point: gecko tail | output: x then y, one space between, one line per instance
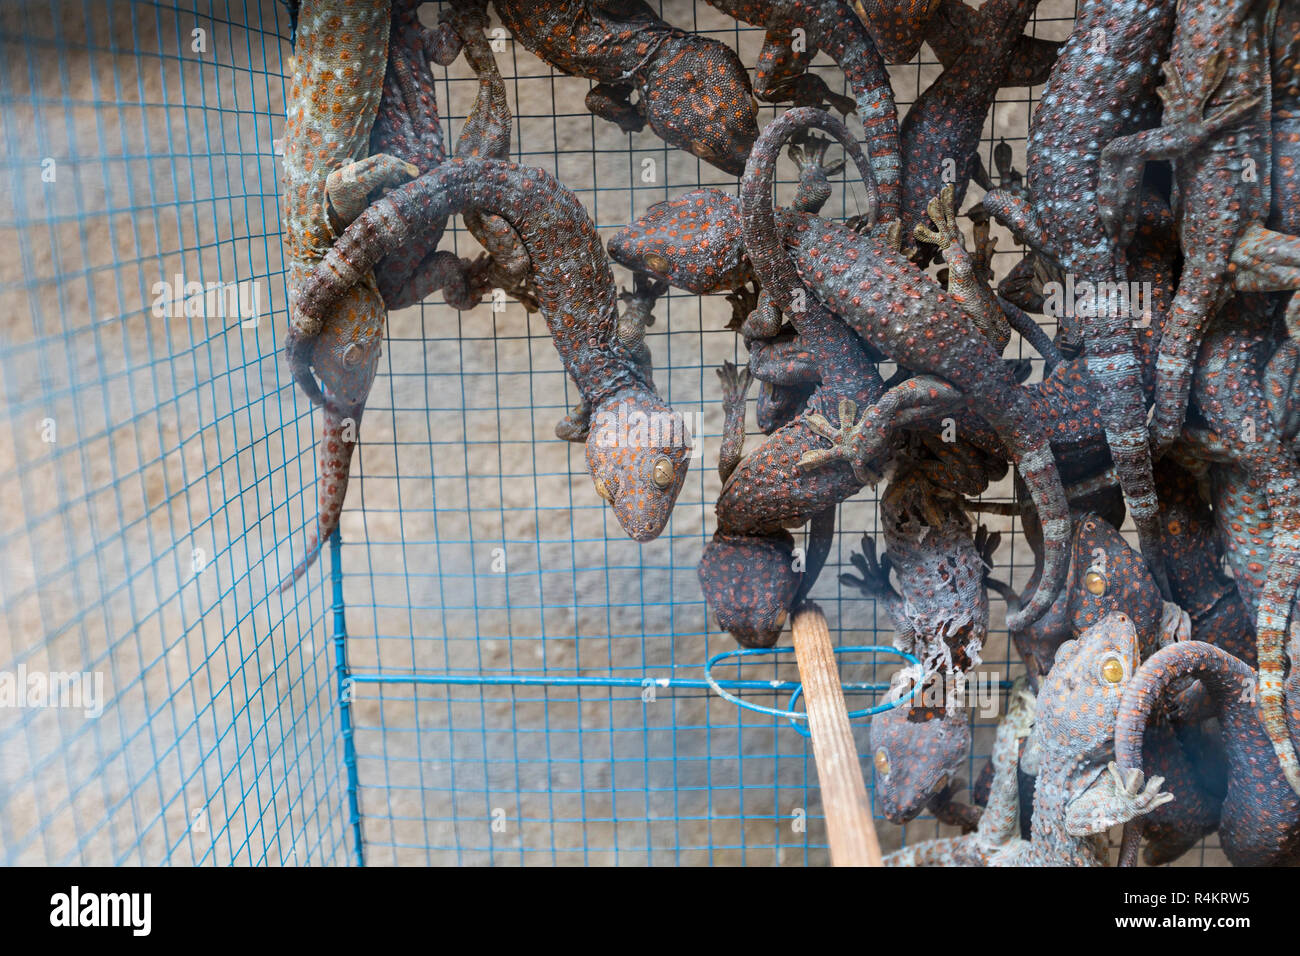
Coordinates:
337 442
1038 469
1271 654
313 552
1226 678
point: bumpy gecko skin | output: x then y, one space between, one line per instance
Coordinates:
832 27
917 752
637 449
999 824
637 315
896 26
1230 395
781 73
1241 515
407 126
1218 614
1216 131
1078 796
941 131
1105 576
1268 259
1102 87
334 97
1260 822
941 613
765 493
749 584
694 92
966 286
486 135
955 27
901 312
693 241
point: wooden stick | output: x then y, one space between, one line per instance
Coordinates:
849 828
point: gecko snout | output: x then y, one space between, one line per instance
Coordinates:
638 453
749 583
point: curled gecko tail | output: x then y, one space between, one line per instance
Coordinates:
772 264
335 448
1038 469
1226 678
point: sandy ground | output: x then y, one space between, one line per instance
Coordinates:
156 482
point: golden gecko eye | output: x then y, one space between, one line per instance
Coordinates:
1095 582
882 762
1112 670
603 490
663 472
657 263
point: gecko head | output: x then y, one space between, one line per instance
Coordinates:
1078 701
693 241
916 750
749 583
344 363
779 404
698 97
638 451
1106 574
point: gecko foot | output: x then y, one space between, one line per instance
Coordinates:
744 300
874 582
348 188
735 384
1135 798
575 425
613 102
847 441
942 212
809 149
808 89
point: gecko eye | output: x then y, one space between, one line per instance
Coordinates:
882 762
1113 670
1095 582
602 489
657 263
663 472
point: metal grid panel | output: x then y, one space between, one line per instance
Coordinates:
522 683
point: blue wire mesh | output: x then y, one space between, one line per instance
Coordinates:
486 670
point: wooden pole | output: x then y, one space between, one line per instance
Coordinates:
849 827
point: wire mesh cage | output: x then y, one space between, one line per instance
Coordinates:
482 668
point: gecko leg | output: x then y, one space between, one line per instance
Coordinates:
1269 261
347 188
735 385
612 101
859 441
1116 798
964 283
